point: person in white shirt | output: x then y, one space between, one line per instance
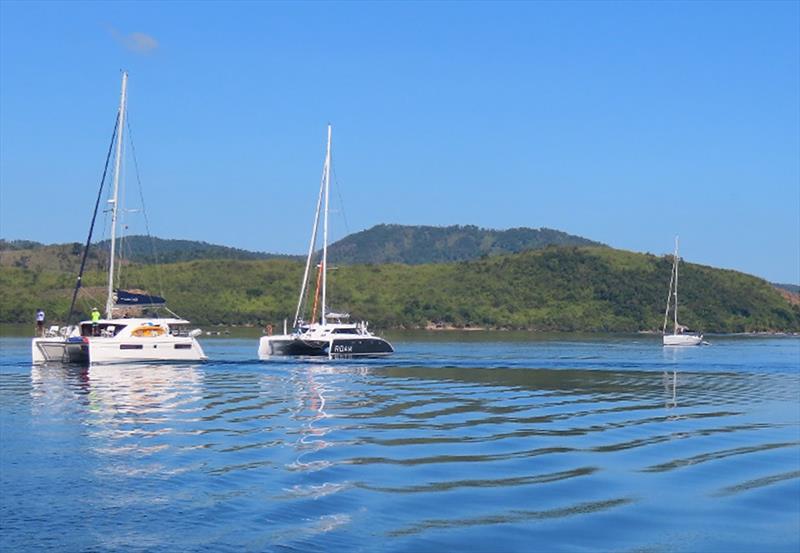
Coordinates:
40 322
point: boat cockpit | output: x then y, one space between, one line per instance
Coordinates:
101 329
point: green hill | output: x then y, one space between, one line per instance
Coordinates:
132 249
55 257
144 249
416 245
413 245
19 244
555 288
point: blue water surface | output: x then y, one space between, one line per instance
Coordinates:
460 442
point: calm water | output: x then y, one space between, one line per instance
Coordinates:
455 444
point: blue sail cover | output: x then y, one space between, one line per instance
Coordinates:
129 299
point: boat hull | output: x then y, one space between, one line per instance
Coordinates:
59 350
339 347
145 350
286 345
98 350
366 346
683 340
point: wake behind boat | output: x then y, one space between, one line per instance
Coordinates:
681 336
329 335
120 339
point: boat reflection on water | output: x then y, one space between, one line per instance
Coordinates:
310 403
673 356
141 389
55 386
314 450
117 401
671 389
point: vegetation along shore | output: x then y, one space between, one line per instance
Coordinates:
551 288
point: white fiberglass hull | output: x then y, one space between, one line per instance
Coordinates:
132 349
683 339
122 341
58 350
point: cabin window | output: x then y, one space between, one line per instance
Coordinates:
130 346
101 329
183 346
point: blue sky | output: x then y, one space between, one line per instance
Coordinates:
624 122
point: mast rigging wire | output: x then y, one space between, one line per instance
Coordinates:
341 202
78 281
153 249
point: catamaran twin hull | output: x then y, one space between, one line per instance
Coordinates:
99 350
296 346
59 350
122 341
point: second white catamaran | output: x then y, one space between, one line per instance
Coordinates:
329 335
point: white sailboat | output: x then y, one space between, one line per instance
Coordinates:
115 340
680 335
329 335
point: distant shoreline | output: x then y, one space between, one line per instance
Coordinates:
19 330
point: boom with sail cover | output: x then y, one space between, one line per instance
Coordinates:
123 298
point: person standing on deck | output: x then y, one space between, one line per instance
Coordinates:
40 322
95 320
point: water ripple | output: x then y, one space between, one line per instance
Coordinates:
515 516
571 445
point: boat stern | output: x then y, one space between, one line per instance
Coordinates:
59 350
37 352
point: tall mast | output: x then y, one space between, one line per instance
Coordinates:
669 296
675 331
325 227
115 197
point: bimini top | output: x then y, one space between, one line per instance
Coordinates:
123 298
332 315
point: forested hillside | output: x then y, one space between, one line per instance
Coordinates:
556 288
133 249
412 245
144 249
416 245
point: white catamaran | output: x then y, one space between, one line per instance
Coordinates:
680 335
115 340
329 335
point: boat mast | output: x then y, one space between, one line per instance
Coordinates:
675 329
669 293
325 228
113 201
